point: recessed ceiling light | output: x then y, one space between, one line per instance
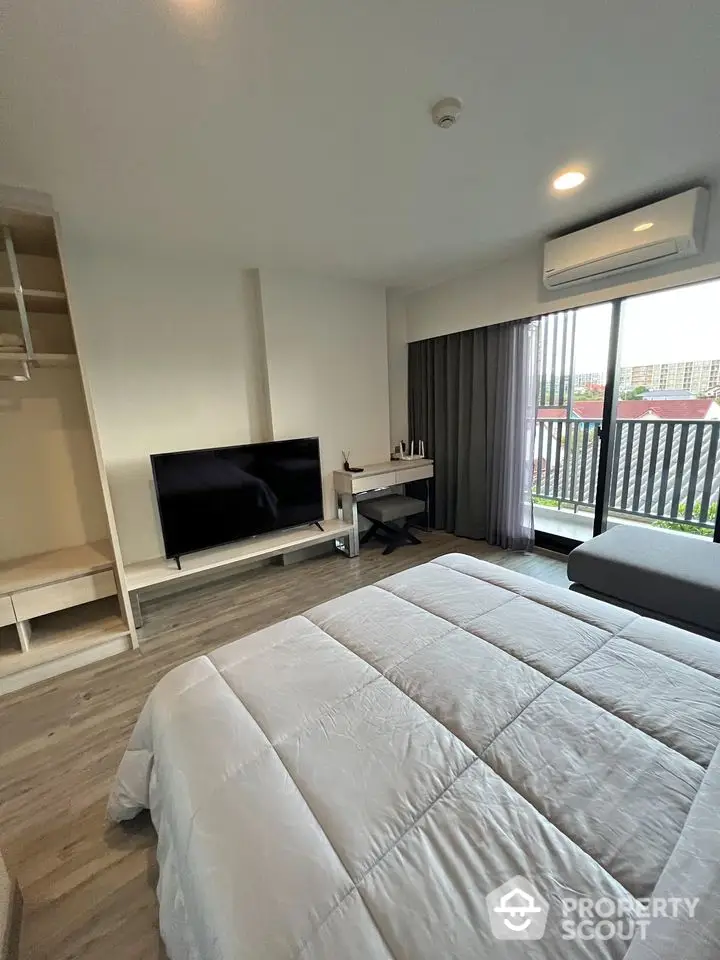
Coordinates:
643 226
569 180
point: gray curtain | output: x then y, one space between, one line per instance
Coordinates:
472 398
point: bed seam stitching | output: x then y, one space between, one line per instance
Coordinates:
477 756
366 873
543 603
322 829
553 681
559 679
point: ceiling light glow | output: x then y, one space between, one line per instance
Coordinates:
569 180
643 226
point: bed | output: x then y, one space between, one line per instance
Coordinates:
355 782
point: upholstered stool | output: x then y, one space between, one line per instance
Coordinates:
390 519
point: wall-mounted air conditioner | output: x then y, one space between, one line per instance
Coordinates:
663 231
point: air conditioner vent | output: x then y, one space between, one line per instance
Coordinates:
676 230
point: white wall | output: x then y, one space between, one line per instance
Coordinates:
173 357
327 365
184 354
512 288
397 365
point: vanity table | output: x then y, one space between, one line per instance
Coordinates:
376 476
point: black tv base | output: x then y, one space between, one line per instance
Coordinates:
177 561
316 523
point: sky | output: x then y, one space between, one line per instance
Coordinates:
665 327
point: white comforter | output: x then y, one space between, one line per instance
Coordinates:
352 783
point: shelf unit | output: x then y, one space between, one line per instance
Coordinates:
57 605
54 566
62 641
150 573
33 301
40 359
38 301
63 595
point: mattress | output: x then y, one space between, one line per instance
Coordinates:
458 761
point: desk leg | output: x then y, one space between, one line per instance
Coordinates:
427 504
350 515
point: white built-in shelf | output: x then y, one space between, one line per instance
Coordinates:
64 608
33 233
56 566
36 301
151 572
41 359
66 633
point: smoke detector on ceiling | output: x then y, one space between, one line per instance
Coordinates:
446 111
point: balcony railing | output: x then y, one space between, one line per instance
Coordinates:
663 470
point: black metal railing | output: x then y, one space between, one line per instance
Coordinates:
663 470
556 352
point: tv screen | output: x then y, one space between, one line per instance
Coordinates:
211 497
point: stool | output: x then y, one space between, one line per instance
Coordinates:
384 513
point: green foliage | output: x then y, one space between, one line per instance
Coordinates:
688 527
665 524
634 394
593 391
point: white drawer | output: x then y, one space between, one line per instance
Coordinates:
7 614
414 473
58 596
372 481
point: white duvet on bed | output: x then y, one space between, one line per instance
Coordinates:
352 783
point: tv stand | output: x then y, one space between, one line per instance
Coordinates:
316 523
150 573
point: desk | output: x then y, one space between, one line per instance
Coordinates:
375 476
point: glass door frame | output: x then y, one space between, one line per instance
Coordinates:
608 433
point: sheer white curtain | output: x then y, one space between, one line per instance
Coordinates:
512 349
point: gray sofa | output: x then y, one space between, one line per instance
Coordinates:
657 573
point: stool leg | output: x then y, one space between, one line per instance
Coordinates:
369 533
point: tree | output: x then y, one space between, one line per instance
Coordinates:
591 391
634 394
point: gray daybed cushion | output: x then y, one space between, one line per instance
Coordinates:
667 573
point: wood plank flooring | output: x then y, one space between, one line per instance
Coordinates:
89 887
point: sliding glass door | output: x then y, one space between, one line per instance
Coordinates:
665 467
571 393
628 427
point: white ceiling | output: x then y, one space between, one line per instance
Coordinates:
297 132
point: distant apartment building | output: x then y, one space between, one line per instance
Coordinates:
584 380
699 377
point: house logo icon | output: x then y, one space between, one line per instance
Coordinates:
517 911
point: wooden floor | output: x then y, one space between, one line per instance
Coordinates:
89 887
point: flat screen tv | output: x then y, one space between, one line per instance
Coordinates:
212 497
